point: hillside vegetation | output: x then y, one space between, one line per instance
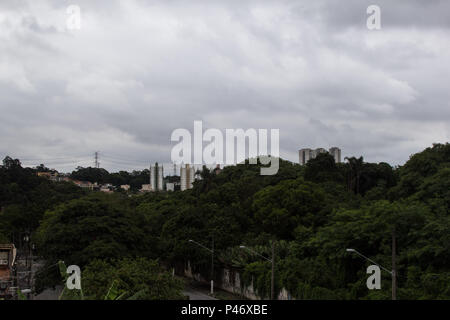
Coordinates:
313 212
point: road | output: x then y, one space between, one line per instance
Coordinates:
196 295
24 276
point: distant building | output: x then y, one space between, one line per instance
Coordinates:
307 154
217 169
51 175
107 188
317 151
336 153
125 187
170 186
54 176
7 275
157 177
85 184
187 177
172 182
60 178
198 175
44 174
146 188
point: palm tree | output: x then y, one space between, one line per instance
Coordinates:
356 168
206 179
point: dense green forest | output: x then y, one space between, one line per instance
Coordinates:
312 212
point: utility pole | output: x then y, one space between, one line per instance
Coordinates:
394 270
272 261
391 272
31 273
212 266
272 294
30 267
212 260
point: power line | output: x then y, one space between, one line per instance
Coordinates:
55 163
123 159
122 163
24 158
112 160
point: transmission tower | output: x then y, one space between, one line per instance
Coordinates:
97 164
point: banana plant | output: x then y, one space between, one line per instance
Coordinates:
114 292
20 295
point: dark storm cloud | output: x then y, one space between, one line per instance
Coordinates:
137 70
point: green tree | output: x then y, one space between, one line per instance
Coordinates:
322 168
355 172
139 278
280 208
97 226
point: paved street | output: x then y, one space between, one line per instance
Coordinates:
49 294
197 295
23 267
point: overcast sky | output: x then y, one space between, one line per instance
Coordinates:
137 70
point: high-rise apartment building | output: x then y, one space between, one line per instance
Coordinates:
304 155
336 153
317 151
157 177
186 177
307 154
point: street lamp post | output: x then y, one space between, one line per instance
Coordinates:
212 260
392 272
272 284
394 267
212 266
272 261
28 262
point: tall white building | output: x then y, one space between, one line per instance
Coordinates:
316 152
186 177
156 177
304 155
307 154
336 153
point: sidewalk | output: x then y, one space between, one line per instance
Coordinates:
201 291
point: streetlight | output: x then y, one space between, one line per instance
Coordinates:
272 289
212 260
28 260
392 273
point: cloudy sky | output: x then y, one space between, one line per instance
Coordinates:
137 70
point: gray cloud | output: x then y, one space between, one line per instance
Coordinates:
137 70
400 13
